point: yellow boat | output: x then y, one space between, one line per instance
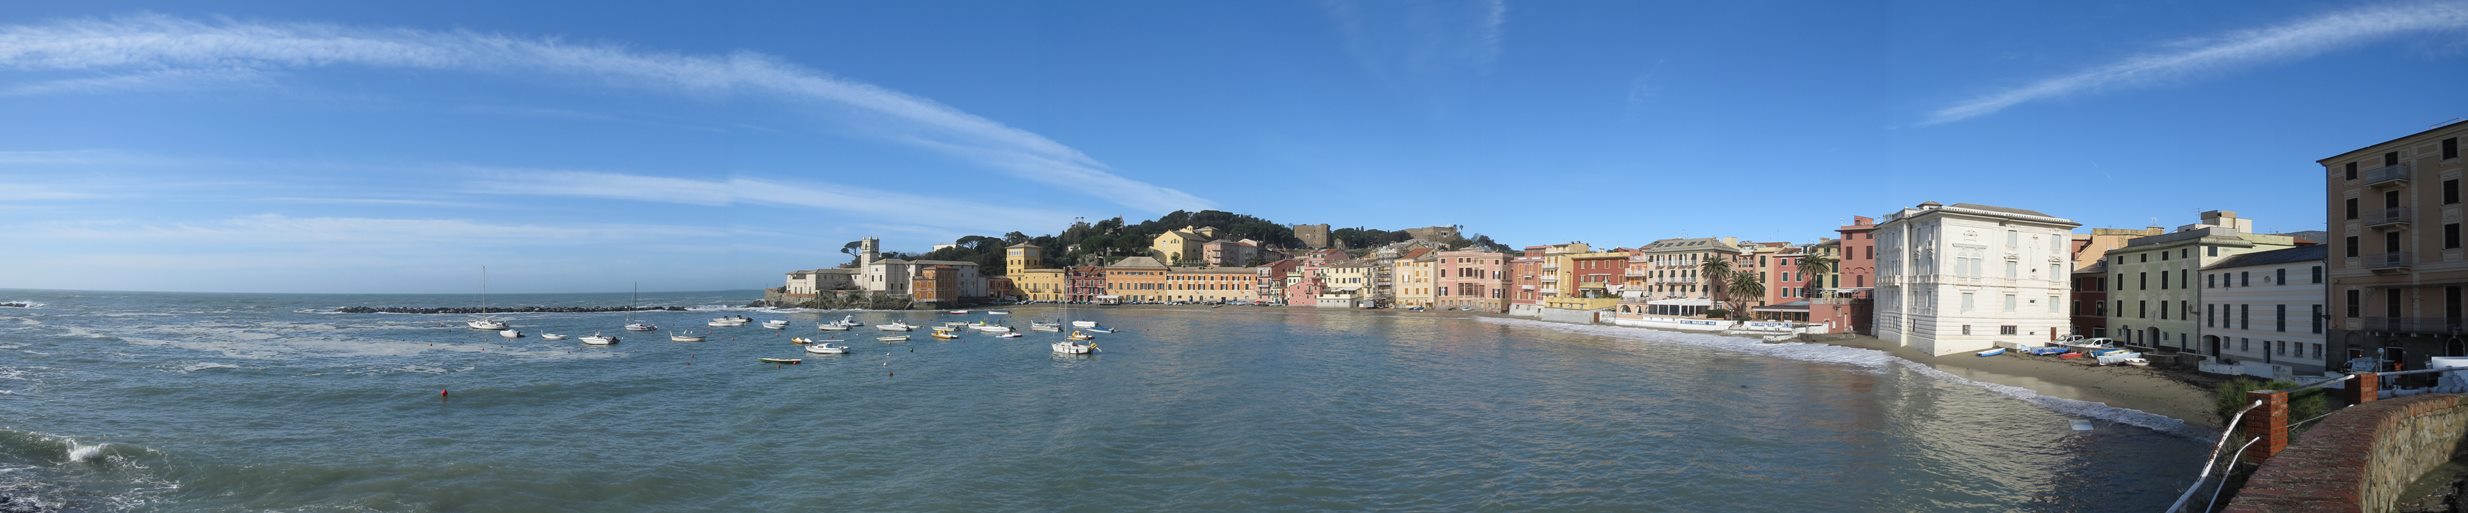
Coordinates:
1082 336
945 334
800 341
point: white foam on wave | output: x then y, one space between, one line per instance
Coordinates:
201 366
81 453
1872 360
28 304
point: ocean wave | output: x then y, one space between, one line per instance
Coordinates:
198 366
1873 360
20 303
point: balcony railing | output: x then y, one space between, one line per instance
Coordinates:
2392 261
2387 175
2395 216
1634 273
1551 267
2436 325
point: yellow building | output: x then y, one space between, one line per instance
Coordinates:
1211 284
1182 247
1024 263
1134 280
1558 273
1414 284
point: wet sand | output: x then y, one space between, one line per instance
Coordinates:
2171 393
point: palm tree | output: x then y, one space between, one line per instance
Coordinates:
1815 266
1716 270
1746 285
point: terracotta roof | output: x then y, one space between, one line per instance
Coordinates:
1138 261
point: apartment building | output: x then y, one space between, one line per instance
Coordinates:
1962 277
2396 265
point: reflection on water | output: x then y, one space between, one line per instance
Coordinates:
235 403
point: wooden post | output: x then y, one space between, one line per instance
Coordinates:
2268 423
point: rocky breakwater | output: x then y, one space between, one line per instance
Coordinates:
503 309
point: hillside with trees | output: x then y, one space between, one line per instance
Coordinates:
1111 239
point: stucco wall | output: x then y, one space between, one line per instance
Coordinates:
2360 458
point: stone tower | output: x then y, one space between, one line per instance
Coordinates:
869 249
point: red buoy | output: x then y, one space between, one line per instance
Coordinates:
441 393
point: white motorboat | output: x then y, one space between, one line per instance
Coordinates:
993 328
831 327
484 322
1074 347
776 324
685 337
1083 324
1101 330
599 340
893 338
895 326
728 322
1081 336
1010 335
1045 326
847 321
510 334
641 326
998 312
957 312
552 336
827 348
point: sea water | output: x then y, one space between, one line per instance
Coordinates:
262 402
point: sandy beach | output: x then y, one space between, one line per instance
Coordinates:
2171 393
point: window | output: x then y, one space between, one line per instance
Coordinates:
2352 170
2282 323
2352 246
2052 304
1966 329
2245 344
2390 158
2163 275
2009 304
2120 307
2013 238
2210 281
2010 269
2143 258
2354 300
2142 309
1966 302
2317 319
2352 208
2245 317
2006 330
2209 313
2163 309
2450 148
2120 279
2163 256
2245 279
2450 236
2450 191
2278 277
2143 281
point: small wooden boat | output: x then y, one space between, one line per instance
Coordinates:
781 361
893 338
1992 352
552 336
800 341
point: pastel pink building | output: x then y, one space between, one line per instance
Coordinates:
1471 279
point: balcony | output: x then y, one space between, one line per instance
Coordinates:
2395 176
1550 278
2389 217
2424 325
1634 273
1551 267
2392 262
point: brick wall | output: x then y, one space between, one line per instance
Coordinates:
2360 458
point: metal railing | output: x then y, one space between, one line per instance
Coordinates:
2387 174
2390 216
2416 325
2391 260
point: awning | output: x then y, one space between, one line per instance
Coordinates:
1794 306
1681 302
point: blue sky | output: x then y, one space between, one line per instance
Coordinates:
347 147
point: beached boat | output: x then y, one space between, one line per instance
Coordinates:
510 334
1074 347
893 338
781 361
896 326
2119 358
945 334
775 324
599 340
2046 350
552 336
827 348
2090 344
685 337
1992 352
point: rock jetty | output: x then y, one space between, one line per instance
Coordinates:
503 309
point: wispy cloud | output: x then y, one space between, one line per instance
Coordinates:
131 48
1400 40
2193 58
38 192
876 204
275 229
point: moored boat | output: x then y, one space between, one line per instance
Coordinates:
685 337
944 334
552 336
781 361
1009 335
599 340
893 338
776 324
831 327
896 326
1074 347
827 348
800 341
1083 324
1082 336
510 333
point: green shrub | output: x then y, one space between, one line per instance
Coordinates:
2231 396
1718 313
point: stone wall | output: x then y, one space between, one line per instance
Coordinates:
2360 458
1568 316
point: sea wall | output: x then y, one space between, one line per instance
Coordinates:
2360 458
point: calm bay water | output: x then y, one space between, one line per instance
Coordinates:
225 402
